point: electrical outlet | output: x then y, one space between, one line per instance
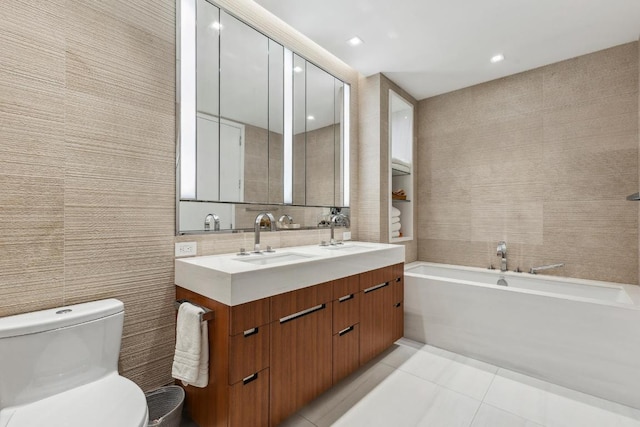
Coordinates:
186 249
346 235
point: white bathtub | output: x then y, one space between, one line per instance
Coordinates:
581 334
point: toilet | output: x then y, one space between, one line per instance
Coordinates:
59 368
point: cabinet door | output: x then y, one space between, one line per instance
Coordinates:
376 323
346 352
300 363
249 401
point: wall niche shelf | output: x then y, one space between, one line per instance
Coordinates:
400 168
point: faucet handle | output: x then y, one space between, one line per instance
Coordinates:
502 249
243 251
269 249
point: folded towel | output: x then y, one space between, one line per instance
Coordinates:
395 211
395 234
191 358
395 219
395 226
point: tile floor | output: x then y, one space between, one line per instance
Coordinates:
413 384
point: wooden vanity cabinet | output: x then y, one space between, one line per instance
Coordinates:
270 357
381 305
238 390
301 349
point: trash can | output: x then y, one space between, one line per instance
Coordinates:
165 406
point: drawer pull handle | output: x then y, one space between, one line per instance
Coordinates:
302 313
376 287
345 298
250 332
398 279
346 330
250 378
397 304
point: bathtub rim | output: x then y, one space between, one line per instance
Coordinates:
633 291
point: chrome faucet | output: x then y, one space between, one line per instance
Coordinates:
502 253
286 217
256 229
216 222
534 270
337 218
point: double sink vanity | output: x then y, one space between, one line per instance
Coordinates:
289 324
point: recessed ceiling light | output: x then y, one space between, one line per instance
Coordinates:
355 41
216 25
297 69
310 118
497 58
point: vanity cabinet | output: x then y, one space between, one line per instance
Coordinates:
380 290
301 352
270 357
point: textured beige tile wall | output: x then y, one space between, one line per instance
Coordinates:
263 159
543 160
87 105
87 164
374 161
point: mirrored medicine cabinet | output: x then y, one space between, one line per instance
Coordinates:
259 127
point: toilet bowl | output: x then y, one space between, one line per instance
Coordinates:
59 368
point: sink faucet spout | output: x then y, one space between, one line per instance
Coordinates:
256 228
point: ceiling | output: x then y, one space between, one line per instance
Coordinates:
429 47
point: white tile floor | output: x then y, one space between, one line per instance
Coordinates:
416 385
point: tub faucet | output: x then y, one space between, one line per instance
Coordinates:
256 229
337 218
216 222
502 253
534 270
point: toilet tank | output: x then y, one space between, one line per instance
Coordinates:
50 351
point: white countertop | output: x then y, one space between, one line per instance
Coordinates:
232 279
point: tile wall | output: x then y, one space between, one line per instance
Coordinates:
543 160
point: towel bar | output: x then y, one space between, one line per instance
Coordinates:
204 317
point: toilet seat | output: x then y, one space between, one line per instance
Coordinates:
108 402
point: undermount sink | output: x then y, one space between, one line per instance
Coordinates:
344 247
267 259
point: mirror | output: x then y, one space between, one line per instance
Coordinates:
235 128
317 154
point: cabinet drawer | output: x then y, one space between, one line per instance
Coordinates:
346 286
248 353
377 277
346 311
249 401
286 304
398 272
346 352
248 315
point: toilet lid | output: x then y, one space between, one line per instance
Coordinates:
108 402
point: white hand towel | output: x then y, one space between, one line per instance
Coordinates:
395 219
191 358
395 234
395 211
395 226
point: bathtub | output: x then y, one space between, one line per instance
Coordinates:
581 334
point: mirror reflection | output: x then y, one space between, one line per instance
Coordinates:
234 132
